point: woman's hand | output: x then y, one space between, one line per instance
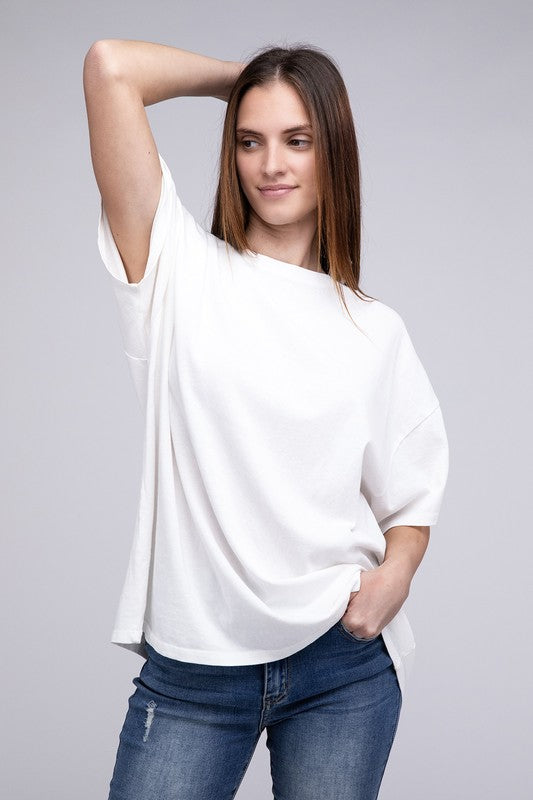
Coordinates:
385 589
383 592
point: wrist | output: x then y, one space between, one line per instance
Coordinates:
399 572
230 71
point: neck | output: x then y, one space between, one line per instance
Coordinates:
294 243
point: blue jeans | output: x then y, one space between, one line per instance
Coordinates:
330 710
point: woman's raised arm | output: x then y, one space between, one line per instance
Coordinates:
120 78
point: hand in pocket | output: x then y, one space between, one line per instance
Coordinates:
382 593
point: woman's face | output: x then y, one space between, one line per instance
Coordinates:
268 154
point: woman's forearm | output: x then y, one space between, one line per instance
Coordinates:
405 548
385 589
159 72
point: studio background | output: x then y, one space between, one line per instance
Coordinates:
441 96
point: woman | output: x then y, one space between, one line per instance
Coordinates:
294 455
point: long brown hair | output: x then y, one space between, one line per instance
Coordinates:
319 84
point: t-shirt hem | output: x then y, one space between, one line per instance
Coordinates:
231 657
135 641
407 520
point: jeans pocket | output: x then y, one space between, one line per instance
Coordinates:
353 636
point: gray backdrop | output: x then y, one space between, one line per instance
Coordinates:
441 95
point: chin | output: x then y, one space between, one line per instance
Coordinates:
282 218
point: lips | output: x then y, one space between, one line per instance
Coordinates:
276 191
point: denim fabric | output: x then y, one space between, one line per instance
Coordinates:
330 711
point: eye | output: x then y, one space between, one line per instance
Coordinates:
303 141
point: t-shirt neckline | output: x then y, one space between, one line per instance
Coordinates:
286 269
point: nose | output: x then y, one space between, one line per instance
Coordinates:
274 160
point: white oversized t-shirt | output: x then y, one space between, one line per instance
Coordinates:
280 443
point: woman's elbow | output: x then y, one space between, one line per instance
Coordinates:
101 60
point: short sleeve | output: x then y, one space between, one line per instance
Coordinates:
175 238
406 460
417 473
135 300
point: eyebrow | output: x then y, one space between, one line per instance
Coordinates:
293 129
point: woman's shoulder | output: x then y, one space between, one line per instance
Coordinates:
381 321
386 315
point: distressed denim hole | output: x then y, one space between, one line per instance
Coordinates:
150 710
